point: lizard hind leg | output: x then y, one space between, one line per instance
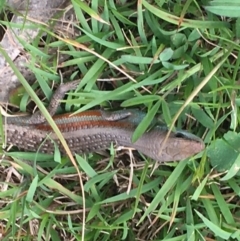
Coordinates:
38 118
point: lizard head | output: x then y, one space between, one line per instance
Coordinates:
181 145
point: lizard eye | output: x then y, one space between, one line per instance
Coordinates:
180 135
187 135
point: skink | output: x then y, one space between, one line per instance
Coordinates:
94 130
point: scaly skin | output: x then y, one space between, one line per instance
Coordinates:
94 130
